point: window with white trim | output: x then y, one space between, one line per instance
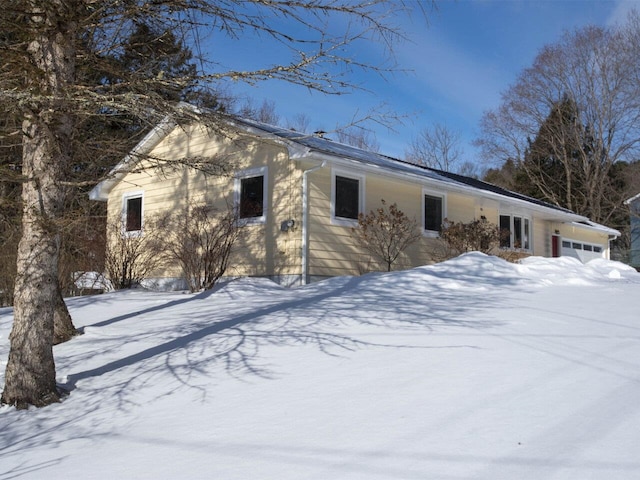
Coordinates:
515 232
433 212
347 194
132 213
250 192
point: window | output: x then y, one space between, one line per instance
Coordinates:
515 232
582 251
433 207
505 231
346 198
251 195
347 201
132 213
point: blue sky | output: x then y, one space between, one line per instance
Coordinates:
453 68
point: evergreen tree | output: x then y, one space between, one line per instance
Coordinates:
551 159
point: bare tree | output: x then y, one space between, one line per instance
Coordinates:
436 147
46 47
301 122
358 137
385 233
577 110
265 113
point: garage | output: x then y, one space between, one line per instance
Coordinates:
580 250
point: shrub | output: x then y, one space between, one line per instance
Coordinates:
130 258
201 242
477 235
385 233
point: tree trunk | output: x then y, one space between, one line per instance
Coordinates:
30 377
63 329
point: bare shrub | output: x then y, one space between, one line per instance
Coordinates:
475 236
201 242
385 233
131 256
513 256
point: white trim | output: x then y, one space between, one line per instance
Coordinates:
629 201
237 190
123 214
341 221
432 193
593 226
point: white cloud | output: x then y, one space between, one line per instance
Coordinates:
619 14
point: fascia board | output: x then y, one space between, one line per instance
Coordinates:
632 199
592 226
448 185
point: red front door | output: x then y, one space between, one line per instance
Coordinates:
555 246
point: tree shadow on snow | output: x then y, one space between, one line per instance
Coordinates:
236 341
214 342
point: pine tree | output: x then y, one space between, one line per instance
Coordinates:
551 159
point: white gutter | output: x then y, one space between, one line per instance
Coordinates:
451 185
305 221
596 227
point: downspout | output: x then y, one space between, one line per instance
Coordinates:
610 238
305 221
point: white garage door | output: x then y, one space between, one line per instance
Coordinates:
582 251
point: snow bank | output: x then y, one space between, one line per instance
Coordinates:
474 368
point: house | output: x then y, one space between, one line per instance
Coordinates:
305 194
634 211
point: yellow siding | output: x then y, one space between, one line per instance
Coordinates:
541 238
332 250
263 249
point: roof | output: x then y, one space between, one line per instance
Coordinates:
632 199
302 145
329 147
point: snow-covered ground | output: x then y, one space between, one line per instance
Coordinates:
470 369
